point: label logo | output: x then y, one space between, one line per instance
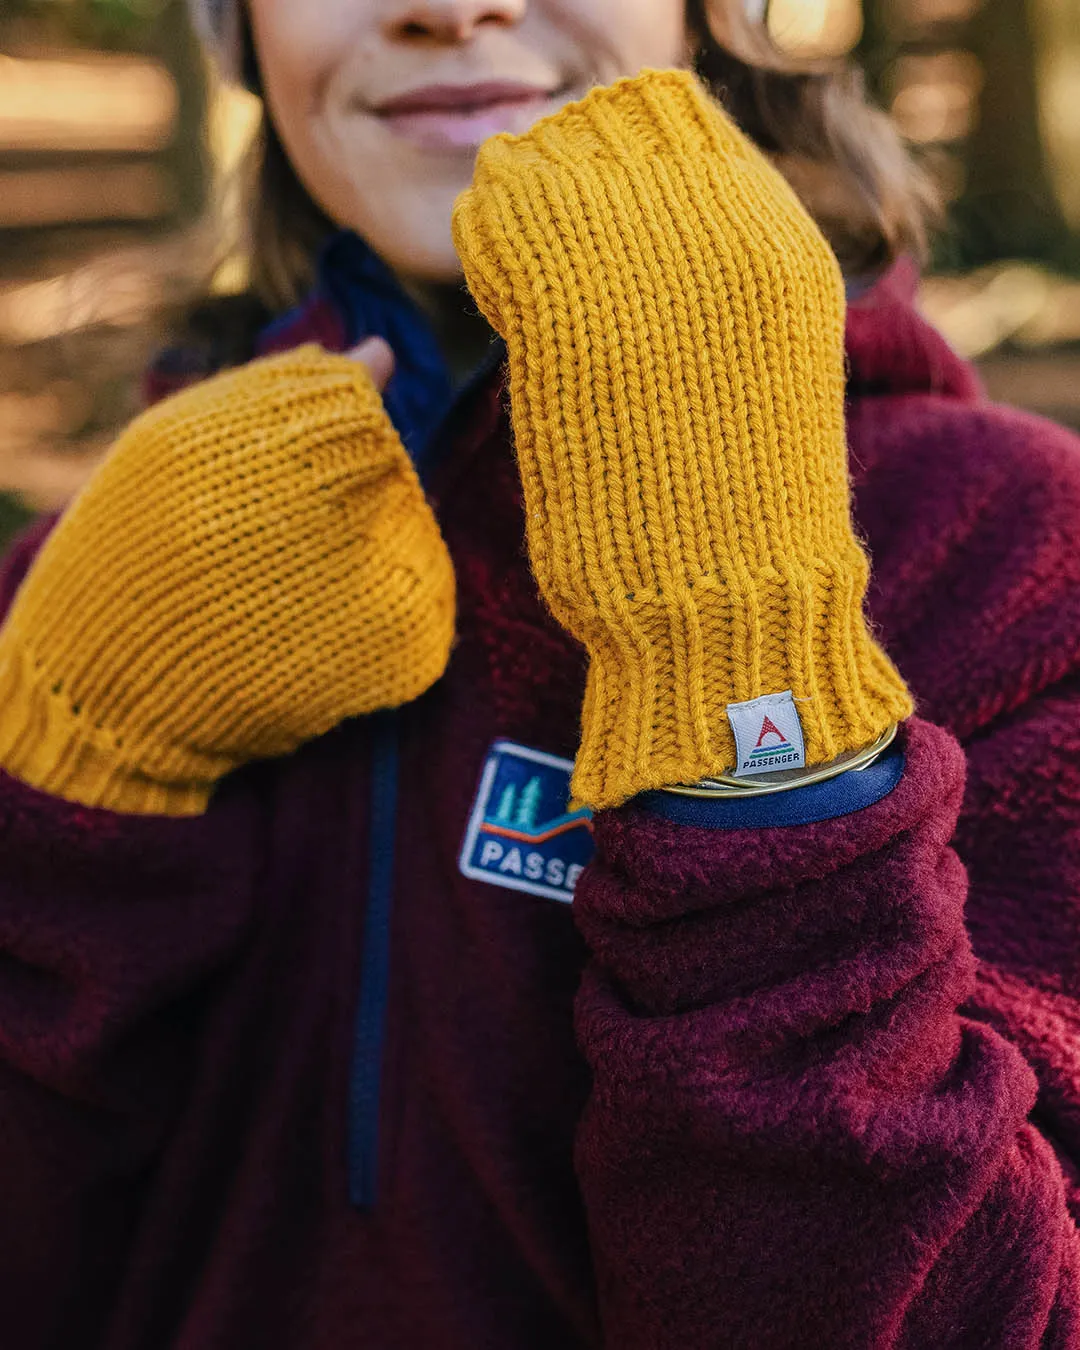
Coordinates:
771 741
768 735
520 834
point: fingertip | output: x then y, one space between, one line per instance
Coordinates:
377 354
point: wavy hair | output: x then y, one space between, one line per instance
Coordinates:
842 154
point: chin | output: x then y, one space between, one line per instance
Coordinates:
414 237
421 259
439 271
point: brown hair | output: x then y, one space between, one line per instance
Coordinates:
842 155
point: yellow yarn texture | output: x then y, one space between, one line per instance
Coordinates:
674 321
253 562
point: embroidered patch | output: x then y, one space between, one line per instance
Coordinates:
520 834
768 735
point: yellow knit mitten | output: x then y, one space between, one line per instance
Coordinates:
254 562
675 322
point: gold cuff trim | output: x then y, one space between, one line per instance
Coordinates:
785 780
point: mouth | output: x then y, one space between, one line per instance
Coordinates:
459 117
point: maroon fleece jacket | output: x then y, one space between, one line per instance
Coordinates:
811 1085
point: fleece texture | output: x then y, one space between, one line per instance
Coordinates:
815 1085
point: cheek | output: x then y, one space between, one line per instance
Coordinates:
299 47
657 28
303 50
396 199
619 37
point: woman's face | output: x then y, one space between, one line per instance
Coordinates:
381 104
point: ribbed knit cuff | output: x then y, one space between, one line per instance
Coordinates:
661 677
50 745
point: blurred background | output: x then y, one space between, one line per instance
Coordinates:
114 142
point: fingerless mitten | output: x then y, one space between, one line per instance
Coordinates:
253 562
674 322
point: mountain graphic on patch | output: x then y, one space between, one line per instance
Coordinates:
777 742
515 815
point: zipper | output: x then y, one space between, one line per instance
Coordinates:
369 1030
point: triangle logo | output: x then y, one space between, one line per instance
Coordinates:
769 728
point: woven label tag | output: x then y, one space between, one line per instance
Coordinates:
768 735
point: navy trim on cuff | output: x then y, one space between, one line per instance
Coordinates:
839 796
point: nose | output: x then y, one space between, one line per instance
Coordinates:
447 21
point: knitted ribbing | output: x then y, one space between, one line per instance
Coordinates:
674 323
253 562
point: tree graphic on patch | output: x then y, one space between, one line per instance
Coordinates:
529 804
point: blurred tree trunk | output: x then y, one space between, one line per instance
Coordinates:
1056 25
1009 206
877 47
188 160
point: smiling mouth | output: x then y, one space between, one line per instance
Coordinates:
461 117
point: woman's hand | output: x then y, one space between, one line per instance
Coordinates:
674 321
254 562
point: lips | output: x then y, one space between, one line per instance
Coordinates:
459 117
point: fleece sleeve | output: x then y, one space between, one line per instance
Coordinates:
795 1137
110 929
1019 837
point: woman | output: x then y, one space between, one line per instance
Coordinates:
302 1045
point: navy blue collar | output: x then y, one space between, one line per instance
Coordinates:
372 303
366 299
